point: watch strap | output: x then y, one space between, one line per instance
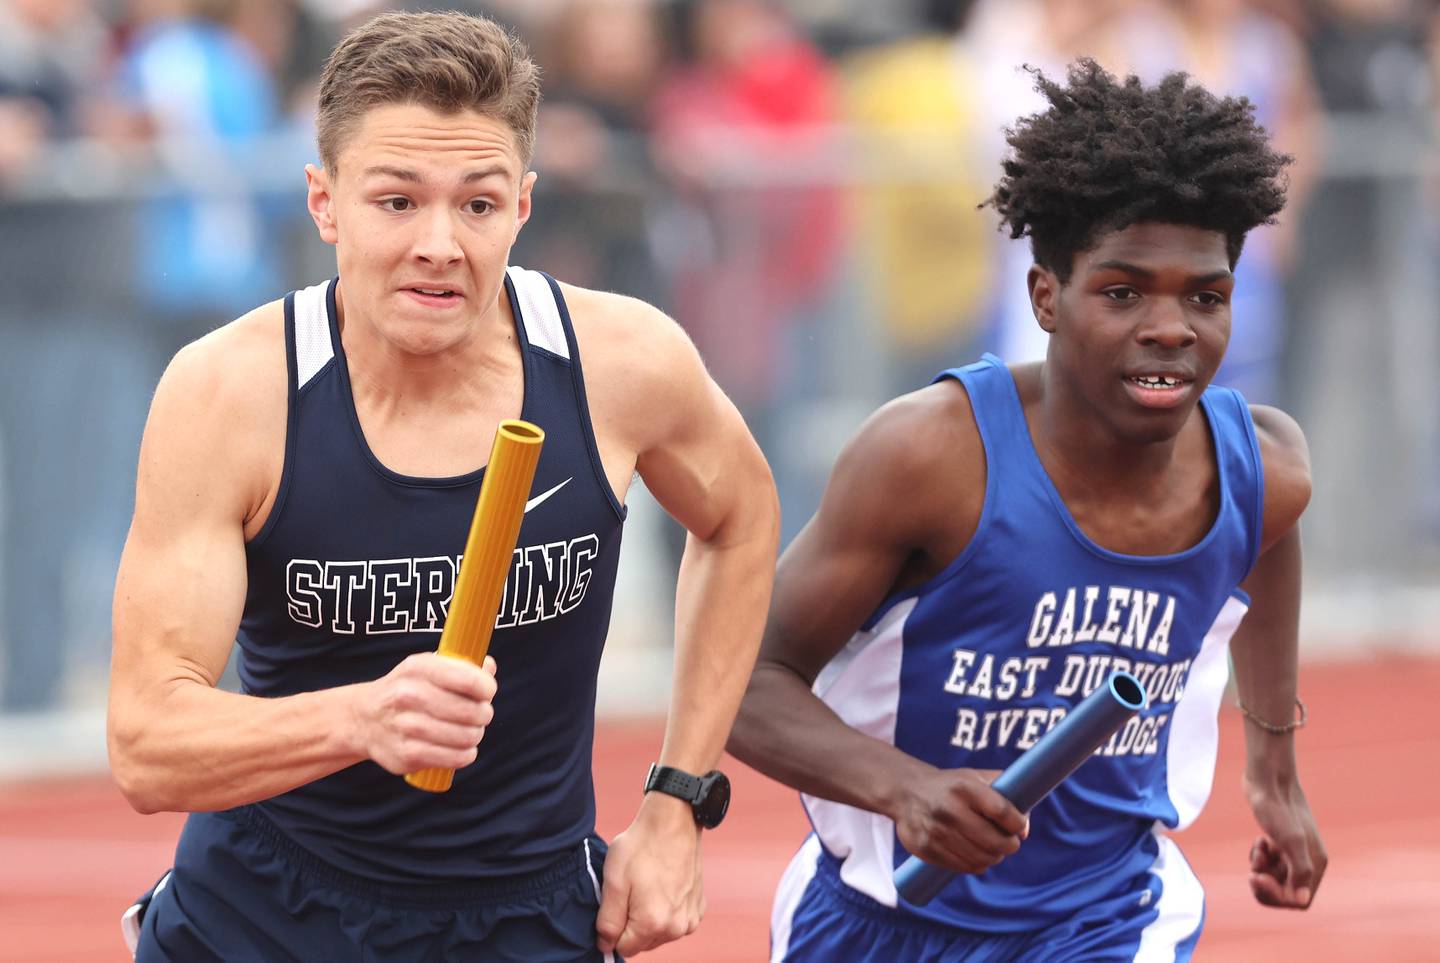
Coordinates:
673 782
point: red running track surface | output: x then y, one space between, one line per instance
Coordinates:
72 854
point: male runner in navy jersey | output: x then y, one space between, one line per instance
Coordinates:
992 546
308 476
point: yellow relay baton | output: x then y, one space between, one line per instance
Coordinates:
475 602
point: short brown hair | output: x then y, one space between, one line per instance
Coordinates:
448 61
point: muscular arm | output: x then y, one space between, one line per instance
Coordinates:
653 402
176 741
876 526
830 579
651 396
1289 860
707 472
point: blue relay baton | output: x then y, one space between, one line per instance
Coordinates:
1031 778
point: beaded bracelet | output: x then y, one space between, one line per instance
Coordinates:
1270 726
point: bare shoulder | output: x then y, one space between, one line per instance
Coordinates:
236 376
918 464
235 354
1280 431
1285 457
929 430
219 412
618 334
640 366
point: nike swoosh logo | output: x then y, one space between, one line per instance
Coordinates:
544 495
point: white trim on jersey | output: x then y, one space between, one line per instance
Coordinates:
1194 724
788 894
862 686
1182 905
313 347
539 312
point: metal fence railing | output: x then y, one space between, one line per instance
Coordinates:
108 263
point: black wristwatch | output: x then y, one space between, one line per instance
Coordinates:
708 795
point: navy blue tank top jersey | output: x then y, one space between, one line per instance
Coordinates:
354 569
972 667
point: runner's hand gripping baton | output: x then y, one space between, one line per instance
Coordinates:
476 601
1030 778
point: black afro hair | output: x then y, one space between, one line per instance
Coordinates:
1108 154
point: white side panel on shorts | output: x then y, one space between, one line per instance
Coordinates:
595 883
313 347
130 922
1182 905
862 685
787 896
1194 725
540 313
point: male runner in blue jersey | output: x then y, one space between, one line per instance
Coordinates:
308 476
991 547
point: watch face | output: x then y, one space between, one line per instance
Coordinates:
714 799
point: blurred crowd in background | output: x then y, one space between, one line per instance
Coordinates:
797 183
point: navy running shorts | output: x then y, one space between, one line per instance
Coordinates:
240 890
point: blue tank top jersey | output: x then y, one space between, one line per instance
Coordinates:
972 667
354 569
